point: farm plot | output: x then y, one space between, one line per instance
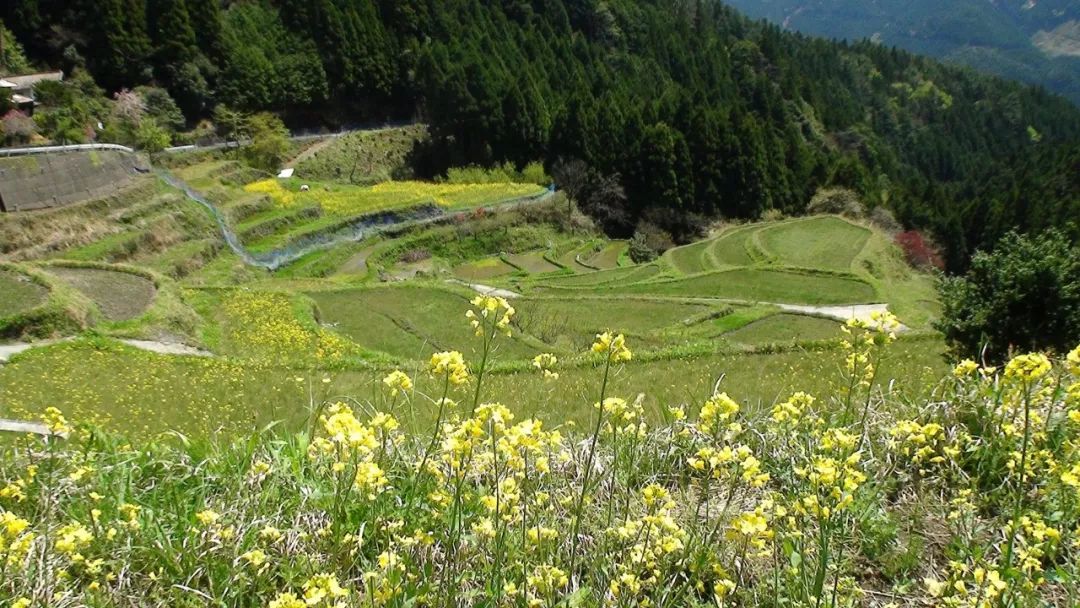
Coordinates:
428 319
487 268
532 262
821 242
120 296
760 286
573 323
785 328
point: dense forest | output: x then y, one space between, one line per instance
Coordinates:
690 109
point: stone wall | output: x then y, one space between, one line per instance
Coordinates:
47 181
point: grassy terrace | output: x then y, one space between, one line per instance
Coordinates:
19 294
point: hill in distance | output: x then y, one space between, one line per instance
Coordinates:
1034 41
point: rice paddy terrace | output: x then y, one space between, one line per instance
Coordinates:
153 265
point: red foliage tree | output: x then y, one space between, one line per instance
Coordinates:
919 251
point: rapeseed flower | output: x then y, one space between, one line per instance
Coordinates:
612 347
450 365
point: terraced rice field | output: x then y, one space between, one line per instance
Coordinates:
487 268
608 257
755 285
785 328
823 242
120 296
532 262
19 294
690 259
427 319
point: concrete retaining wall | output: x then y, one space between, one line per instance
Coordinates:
46 181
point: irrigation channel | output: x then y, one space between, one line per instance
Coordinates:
348 232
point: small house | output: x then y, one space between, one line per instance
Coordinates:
20 89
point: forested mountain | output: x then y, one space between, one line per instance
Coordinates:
693 109
1032 41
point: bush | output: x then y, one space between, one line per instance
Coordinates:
1024 295
839 201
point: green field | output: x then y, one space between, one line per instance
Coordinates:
699 310
785 328
754 285
831 244
123 389
428 320
19 294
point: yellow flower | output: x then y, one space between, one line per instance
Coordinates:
1027 368
965 368
718 409
270 534
71 538
259 469
22 602
370 478
287 600
254 557
451 364
489 308
322 587
544 362
1073 361
398 381
54 419
207 517
613 347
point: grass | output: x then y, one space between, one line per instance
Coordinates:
532 262
608 257
690 258
729 249
139 393
18 293
487 268
363 157
119 295
785 328
760 286
429 319
592 279
572 324
826 242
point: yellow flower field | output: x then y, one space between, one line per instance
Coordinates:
854 497
346 200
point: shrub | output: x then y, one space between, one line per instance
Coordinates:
17 128
1023 295
840 201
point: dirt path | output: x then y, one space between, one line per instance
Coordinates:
312 150
487 290
7 351
842 313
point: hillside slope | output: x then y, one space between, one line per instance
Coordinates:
1034 42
